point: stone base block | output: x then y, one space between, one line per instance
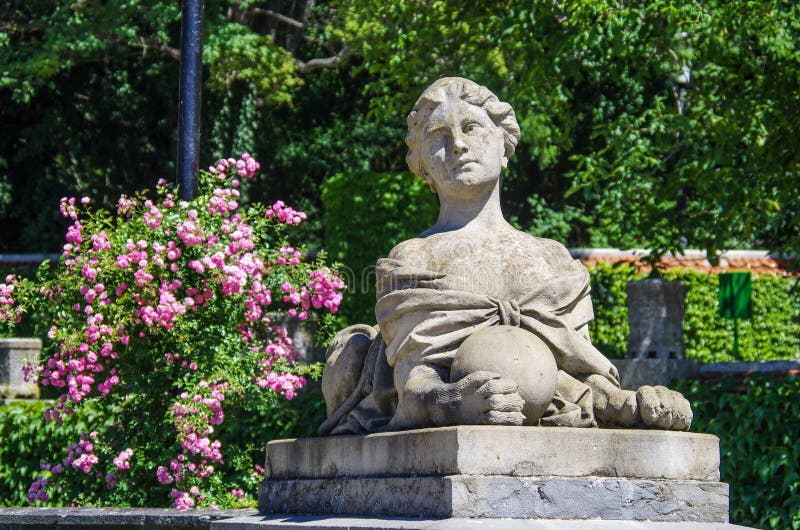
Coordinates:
501 497
500 450
500 472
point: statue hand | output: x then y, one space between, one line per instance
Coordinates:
663 408
483 398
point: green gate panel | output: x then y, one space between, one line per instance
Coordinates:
735 295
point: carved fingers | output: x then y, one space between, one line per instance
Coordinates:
488 398
494 417
505 403
475 380
496 385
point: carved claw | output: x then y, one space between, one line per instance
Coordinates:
663 408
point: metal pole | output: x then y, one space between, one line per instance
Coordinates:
189 106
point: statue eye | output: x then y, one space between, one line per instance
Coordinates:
470 127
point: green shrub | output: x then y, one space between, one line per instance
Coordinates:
157 315
26 439
366 214
772 333
756 421
35 323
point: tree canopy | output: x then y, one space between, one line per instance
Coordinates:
656 124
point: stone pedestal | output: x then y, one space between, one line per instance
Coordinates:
655 317
500 472
14 353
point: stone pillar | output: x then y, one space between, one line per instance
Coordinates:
302 334
655 317
14 354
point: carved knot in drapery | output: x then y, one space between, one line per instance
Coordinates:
509 312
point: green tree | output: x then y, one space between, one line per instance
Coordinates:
648 124
668 124
88 100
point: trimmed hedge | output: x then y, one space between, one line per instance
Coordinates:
366 214
773 332
756 419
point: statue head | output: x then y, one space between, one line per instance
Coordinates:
457 88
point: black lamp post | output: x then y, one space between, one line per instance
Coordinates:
189 106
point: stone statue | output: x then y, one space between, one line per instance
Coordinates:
478 323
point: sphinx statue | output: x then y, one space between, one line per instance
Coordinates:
477 322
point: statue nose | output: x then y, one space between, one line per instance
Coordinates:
459 145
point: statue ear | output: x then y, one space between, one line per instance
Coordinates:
428 179
504 162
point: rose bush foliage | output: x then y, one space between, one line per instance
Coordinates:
167 315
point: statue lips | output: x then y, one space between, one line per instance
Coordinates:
461 165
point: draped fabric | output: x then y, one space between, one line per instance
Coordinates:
424 316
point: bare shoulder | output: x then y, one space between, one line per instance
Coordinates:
551 250
410 251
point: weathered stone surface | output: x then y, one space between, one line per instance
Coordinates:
498 472
500 450
634 373
112 518
14 353
661 407
588 498
517 355
326 522
501 497
785 367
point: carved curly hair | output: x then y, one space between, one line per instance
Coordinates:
457 87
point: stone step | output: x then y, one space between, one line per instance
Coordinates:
500 450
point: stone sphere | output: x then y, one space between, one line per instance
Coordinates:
516 354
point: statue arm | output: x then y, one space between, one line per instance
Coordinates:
427 399
582 316
418 385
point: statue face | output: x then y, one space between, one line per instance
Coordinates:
462 149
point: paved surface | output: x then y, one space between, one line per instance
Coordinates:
112 518
305 522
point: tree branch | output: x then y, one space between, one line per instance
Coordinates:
323 63
134 49
148 44
277 16
325 44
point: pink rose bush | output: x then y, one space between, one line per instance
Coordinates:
170 316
